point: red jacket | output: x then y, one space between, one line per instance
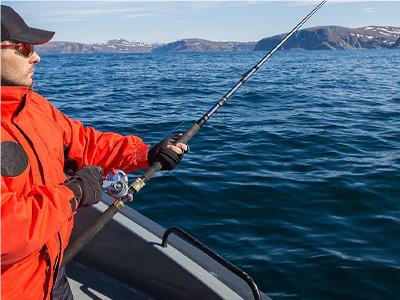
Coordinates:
36 214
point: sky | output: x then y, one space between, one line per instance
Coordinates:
166 21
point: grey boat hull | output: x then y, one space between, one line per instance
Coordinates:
127 254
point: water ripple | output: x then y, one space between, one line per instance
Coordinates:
296 179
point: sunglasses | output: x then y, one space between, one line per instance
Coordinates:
24 49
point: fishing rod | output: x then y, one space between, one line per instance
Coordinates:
116 185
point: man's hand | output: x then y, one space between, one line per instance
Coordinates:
86 184
167 154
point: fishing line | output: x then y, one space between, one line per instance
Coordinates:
177 128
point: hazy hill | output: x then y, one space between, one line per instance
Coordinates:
66 47
112 46
199 45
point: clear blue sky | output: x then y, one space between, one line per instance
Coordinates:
163 21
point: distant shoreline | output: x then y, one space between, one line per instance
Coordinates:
315 38
211 52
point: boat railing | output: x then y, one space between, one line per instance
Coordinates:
190 239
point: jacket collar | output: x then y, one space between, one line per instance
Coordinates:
11 98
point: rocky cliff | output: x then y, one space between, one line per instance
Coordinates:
335 38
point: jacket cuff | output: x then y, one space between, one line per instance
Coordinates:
77 190
143 156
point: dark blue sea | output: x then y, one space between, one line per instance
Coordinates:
296 180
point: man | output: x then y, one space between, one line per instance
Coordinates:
39 143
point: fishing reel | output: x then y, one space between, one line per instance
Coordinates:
116 185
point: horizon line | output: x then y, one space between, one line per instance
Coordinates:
224 41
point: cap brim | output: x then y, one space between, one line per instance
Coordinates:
33 36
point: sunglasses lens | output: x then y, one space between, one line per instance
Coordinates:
26 49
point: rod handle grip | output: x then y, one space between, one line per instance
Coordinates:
186 137
154 168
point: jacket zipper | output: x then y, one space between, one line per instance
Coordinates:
48 262
56 267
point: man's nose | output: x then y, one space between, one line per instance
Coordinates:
34 58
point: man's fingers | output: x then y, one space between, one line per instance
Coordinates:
176 149
179 148
184 147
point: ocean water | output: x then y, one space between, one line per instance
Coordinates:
296 180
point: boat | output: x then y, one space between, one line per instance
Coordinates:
133 257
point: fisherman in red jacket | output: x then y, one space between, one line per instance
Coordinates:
38 145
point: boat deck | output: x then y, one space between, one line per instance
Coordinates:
88 284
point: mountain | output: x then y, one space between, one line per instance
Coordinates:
124 46
336 38
66 47
112 46
396 45
199 45
315 38
121 45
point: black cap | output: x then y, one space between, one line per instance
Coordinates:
14 28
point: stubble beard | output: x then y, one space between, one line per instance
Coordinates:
28 82
15 73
